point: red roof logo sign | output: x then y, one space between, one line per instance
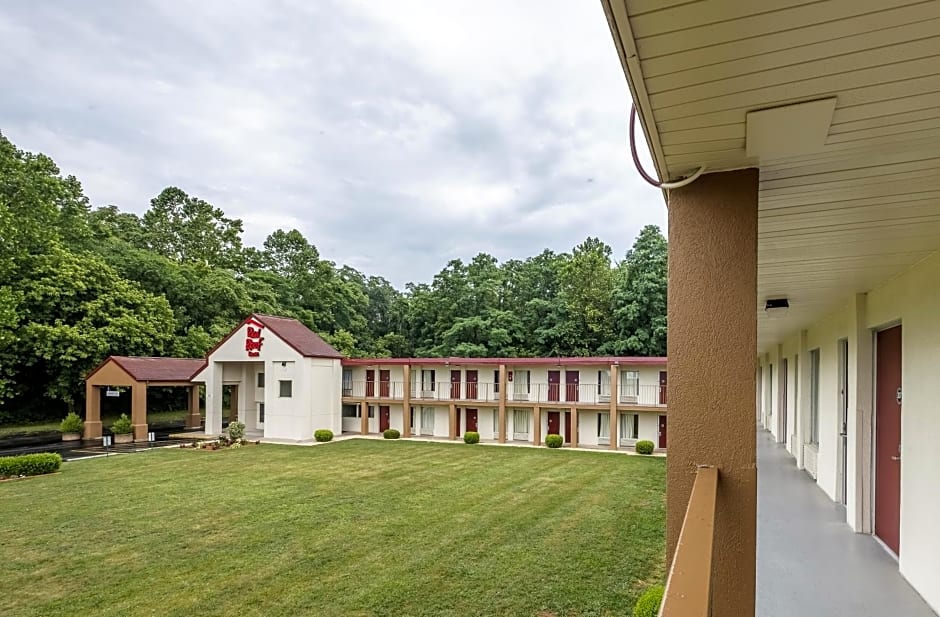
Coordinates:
253 338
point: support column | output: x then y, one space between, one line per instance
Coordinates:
574 428
537 425
364 418
614 400
712 350
780 428
92 411
859 446
452 422
214 399
406 401
139 411
802 413
501 421
194 419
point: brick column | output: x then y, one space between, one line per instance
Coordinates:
139 411
194 419
712 350
406 401
502 403
614 400
536 425
92 411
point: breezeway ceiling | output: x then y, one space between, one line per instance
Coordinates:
833 223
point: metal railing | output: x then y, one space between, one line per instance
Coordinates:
688 589
374 389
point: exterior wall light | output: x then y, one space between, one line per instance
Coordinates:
776 307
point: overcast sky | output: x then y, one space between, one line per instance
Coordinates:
395 134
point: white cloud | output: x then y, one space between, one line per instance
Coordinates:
395 135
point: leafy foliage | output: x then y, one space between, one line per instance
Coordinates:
122 425
644 446
29 464
554 441
391 433
471 437
648 604
72 423
323 434
236 431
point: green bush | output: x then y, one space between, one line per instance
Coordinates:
323 434
391 433
236 431
29 465
471 437
644 446
554 441
72 423
122 425
648 604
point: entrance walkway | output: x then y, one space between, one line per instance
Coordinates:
809 562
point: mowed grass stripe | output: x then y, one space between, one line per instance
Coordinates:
350 528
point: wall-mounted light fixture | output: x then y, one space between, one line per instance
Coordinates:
776 307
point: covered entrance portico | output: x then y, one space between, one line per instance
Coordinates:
139 373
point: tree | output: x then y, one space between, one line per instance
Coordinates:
639 298
586 286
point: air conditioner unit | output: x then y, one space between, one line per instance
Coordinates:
628 399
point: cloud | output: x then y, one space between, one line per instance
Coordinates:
394 135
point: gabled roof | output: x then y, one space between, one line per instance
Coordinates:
154 369
304 340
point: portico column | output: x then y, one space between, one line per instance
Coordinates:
712 350
92 411
501 421
452 422
406 401
139 411
194 419
614 426
574 428
537 425
214 399
364 418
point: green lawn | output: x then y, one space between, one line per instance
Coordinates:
355 527
157 417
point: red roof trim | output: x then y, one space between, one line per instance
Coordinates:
269 326
571 361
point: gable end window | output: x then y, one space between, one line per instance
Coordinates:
286 388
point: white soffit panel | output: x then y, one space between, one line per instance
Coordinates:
789 130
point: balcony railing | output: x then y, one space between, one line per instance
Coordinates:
688 590
644 395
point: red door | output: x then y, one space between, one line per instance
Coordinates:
567 427
455 384
571 385
888 438
662 431
384 379
554 385
554 423
384 418
662 387
472 386
472 420
370 382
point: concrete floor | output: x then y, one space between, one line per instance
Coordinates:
809 561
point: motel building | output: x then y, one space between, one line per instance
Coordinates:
284 382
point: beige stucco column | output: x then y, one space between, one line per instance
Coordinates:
139 411
712 350
614 399
194 419
502 404
364 419
537 425
452 422
574 428
406 401
92 411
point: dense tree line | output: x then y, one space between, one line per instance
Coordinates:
79 283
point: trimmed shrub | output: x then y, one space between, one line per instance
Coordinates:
323 434
471 437
29 465
236 431
644 446
554 441
122 425
648 604
391 433
72 423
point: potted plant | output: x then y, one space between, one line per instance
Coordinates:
123 429
72 427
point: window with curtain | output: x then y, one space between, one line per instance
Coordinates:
520 423
427 380
603 426
520 384
629 426
427 420
603 383
630 383
495 423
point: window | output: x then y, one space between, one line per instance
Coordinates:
629 426
260 380
603 383
371 411
520 424
603 427
427 380
261 409
495 382
287 388
427 420
521 385
630 383
813 397
350 411
495 423
347 382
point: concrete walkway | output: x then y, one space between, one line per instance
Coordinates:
809 561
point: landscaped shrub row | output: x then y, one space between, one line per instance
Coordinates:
323 434
471 437
644 446
391 433
554 441
29 465
648 604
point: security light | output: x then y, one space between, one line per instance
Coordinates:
776 307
